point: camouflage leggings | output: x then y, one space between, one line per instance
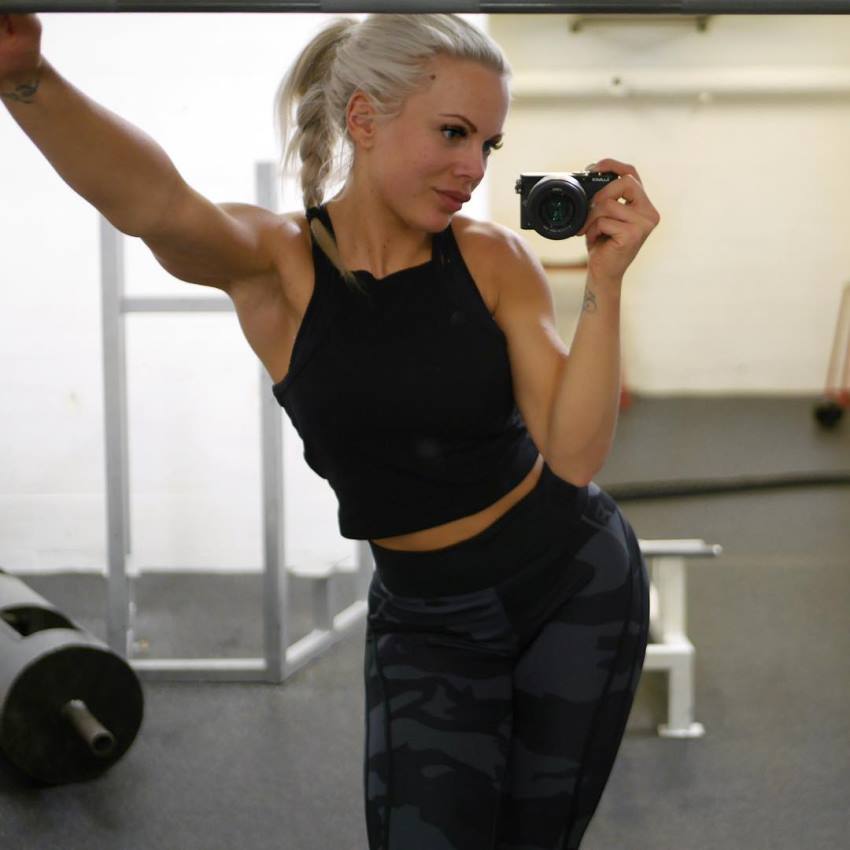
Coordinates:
500 673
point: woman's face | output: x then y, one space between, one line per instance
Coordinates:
440 142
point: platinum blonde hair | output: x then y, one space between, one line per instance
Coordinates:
385 56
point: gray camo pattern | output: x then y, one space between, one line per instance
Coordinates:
493 723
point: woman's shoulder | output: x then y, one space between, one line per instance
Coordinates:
480 230
292 235
282 234
489 250
488 244
293 224
288 237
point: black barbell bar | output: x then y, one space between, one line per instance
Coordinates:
660 7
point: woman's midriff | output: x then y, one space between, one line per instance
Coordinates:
462 529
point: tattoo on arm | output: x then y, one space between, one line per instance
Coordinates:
589 304
23 92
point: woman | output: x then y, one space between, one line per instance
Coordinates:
415 351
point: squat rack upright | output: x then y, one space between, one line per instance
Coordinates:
280 659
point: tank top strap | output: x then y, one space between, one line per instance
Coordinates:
322 309
322 214
463 289
322 265
327 274
318 254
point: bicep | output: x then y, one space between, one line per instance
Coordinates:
199 241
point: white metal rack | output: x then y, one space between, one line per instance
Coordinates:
280 660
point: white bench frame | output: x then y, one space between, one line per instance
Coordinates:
669 648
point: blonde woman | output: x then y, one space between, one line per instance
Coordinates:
415 351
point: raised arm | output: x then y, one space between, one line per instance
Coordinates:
124 173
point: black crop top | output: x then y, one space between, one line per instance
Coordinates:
403 397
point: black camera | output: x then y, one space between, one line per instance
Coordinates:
556 205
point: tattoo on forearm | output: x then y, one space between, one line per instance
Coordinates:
23 92
589 305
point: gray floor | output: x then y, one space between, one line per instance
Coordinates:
256 766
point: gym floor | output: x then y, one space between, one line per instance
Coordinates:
222 766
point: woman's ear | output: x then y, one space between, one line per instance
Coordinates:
360 119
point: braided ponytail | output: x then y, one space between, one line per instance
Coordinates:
315 137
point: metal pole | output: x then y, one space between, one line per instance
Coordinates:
275 576
118 544
682 7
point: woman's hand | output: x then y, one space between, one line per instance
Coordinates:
615 232
20 49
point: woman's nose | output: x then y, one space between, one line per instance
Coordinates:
473 165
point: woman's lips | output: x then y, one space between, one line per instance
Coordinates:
453 199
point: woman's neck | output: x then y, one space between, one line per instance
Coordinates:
373 238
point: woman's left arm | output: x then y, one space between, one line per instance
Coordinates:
587 398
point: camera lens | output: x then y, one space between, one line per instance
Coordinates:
556 210
557 206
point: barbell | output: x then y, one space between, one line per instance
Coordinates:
649 7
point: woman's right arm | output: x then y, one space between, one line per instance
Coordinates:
125 174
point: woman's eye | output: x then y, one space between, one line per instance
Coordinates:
459 130
461 133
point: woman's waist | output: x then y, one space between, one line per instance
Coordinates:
465 528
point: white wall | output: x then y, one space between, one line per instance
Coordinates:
737 290
202 85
